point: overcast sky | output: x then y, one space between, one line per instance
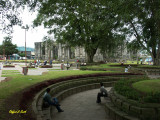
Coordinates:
32 35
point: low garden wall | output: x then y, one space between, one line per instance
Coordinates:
35 92
64 89
143 111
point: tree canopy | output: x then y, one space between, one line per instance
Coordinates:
95 24
142 19
9 15
89 24
7 47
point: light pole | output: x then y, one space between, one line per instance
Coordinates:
26 28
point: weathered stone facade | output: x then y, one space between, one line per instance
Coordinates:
42 51
38 50
64 52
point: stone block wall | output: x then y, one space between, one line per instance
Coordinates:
143 111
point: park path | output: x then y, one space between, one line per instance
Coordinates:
37 71
82 106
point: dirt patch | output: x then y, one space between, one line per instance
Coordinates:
7 79
12 103
44 73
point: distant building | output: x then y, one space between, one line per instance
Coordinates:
29 52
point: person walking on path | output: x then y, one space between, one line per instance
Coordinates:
102 93
51 101
50 62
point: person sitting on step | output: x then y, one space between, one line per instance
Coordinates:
102 93
51 101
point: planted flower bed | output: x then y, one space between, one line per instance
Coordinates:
30 66
6 66
101 68
124 65
46 66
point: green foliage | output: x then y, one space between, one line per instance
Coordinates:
21 54
90 24
103 67
142 23
124 87
7 47
9 15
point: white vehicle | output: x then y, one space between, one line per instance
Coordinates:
22 58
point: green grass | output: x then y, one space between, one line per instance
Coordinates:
147 86
149 66
103 66
53 69
130 62
32 68
10 72
108 65
20 82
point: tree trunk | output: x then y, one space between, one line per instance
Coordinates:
90 54
90 58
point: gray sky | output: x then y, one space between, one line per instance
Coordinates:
32 35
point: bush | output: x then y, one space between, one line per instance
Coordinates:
30 66
124 87
46 66
93 69
152 98
8 66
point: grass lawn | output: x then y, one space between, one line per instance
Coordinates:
20 82
104 66
53 69
149 66
9 72
108 65
147 86
32 68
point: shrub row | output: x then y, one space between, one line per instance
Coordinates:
46 66
124 65
124 87
93 69
8 66
30 66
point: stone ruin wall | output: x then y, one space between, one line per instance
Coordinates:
65 53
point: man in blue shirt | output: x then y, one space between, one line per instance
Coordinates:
47 98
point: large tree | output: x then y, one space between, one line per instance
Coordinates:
142 20
7 47
86 23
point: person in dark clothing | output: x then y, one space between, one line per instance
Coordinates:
51 101
102 93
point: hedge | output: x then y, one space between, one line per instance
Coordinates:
124 87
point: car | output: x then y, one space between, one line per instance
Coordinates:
22 58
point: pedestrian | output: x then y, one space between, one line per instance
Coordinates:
126 69
51 101
50 62
102 93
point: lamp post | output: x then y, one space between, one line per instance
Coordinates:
25 69
26 28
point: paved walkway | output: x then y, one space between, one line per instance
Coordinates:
37 71
82 106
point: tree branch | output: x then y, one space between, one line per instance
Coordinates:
138 37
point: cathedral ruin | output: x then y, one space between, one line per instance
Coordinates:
57 51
